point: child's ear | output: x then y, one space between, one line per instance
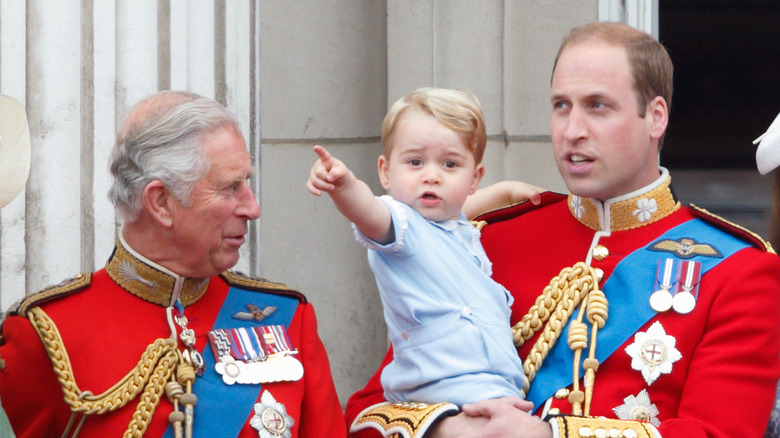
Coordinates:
383 167
479 172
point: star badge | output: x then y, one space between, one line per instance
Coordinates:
271 419
653 352
639 408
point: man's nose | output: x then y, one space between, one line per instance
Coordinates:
575 126
248 206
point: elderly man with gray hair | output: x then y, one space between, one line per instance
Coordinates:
166 340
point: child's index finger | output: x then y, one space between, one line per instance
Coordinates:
325 157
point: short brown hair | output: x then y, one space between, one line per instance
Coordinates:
651 66
458 110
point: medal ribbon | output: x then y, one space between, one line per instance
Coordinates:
668 272
628 297
689 276
223 410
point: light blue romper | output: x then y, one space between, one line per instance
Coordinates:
447 319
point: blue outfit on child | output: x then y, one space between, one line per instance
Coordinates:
447 319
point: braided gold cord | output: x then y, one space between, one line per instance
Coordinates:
555 306
152 394
150 375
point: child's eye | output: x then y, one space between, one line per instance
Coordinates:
449 164
415 162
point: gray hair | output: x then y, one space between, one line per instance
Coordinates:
161 140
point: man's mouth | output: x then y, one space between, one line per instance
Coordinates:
578 159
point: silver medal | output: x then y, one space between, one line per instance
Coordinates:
661 300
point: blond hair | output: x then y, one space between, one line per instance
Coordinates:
457 109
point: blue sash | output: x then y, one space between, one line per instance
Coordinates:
628 291
222 410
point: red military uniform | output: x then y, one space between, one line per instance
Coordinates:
709 372
105 322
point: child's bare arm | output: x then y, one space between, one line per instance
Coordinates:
499 195
352 197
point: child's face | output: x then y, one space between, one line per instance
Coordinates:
429 168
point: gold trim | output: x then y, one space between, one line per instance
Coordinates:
406 419
705 212
626 214
145 281
588 427
77 283
147 378
239 279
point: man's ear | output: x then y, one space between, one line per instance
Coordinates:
157 203
657 116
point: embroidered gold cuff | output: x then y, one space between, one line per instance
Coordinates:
601 427
407 420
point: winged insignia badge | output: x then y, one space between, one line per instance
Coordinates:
255 313
686 248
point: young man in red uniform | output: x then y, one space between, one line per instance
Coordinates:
165 340
655 319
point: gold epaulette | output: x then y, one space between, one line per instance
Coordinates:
238 279
570 426
732 228
402 419
51 293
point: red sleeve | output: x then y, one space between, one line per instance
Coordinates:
370 395
26 369
737 360
321 414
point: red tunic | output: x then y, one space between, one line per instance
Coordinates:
106 329
724 383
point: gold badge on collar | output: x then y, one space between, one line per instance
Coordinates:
653 352
686 248
271 419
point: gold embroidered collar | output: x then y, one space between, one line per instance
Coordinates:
149 281
633 210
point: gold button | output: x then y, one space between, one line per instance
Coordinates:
600 252
599 274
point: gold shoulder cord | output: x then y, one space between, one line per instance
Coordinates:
573 287
150 376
